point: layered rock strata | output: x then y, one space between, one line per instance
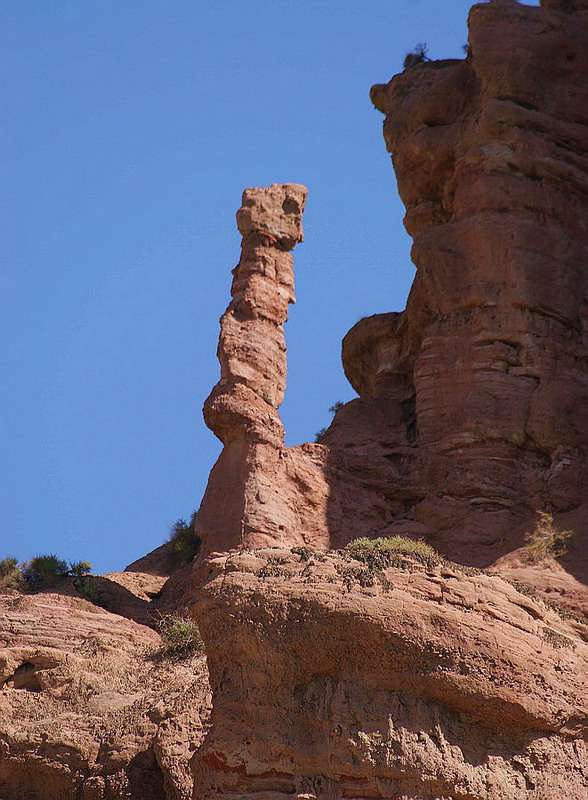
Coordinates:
491 158
335 676
472 408
88 709
336 679
242 408
261 493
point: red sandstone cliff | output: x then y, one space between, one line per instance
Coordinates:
334 679
333 675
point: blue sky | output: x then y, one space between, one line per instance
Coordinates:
131 128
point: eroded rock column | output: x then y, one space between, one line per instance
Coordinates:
242 407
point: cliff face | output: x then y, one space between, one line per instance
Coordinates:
86 713
340 677
491 157
472 410
334 679
339 673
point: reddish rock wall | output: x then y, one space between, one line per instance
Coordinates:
333 677
336 679
331 680
473 402
491 156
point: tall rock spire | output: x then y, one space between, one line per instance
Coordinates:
242 409
252 349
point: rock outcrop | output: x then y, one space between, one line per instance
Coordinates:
341 673
87 709
472 402
491 158
336 679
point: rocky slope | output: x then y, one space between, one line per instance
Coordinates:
87 709
337 678
334 674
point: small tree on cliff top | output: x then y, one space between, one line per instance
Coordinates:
417 56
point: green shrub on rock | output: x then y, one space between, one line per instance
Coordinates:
390 551
10 574
184 539
180 638
44 572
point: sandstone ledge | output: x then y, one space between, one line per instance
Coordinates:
414 681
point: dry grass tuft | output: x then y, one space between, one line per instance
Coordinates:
545 540
392 552
180 638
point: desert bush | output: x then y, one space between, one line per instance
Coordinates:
273 569
545 540
319 435
90 586
43 572
364 576
180 638
555 639
185 541
388 551
417 56
10 574
304 552
77 569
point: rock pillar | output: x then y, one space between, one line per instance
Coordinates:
242 407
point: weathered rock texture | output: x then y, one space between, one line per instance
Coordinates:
261 493
414 679
473 407
337 680
491 157
472 414
86 713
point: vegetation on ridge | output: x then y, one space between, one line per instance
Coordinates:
417 56
545 540
41 572
184 539
388 551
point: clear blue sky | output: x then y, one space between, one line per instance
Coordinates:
131 128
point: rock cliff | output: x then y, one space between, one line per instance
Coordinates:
491 156
340 679
336 671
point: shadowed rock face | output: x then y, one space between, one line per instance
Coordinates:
491 156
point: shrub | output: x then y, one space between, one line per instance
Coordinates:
180 637
417 56
10 574
77 569
304 552
319 434
545 540
364 576
43 572
336 406
185 541
555 639
388 551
